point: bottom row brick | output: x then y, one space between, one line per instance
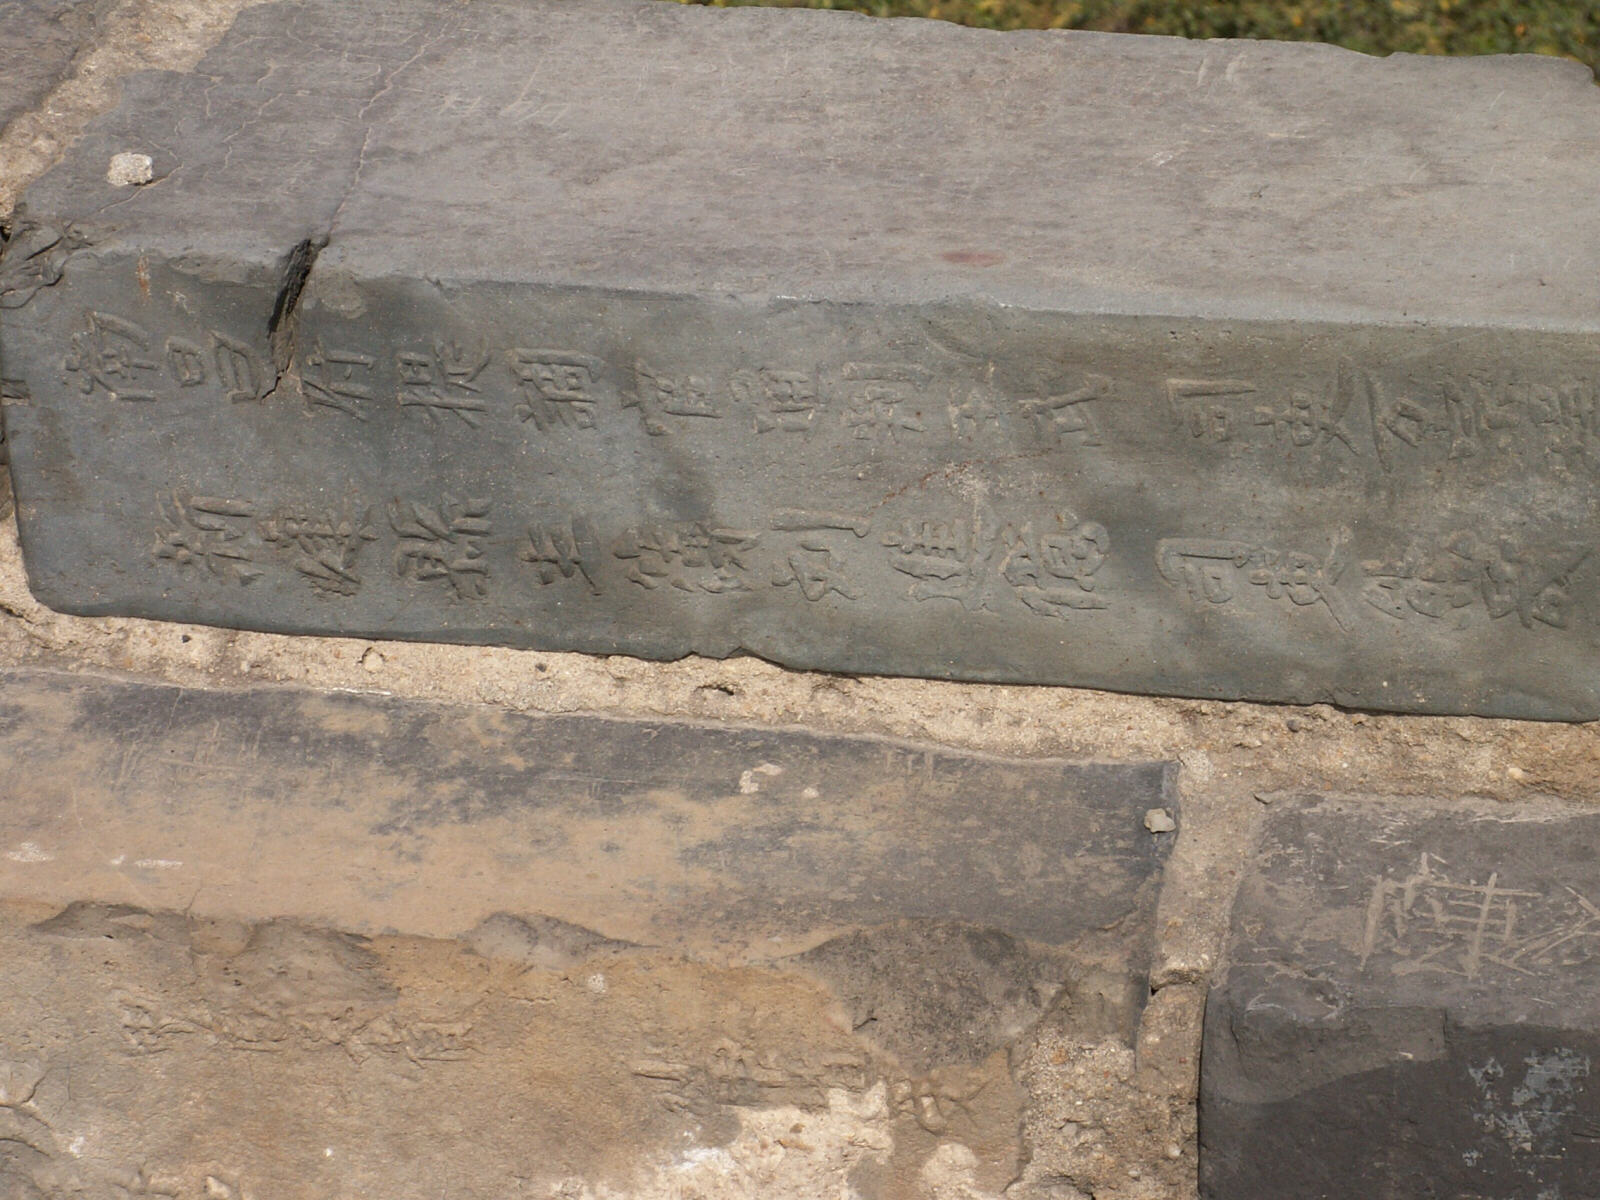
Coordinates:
1409 1009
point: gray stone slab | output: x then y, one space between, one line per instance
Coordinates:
1411 1007
570 955
1224 369
666 833
38 41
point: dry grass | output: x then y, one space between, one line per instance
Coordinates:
1570 28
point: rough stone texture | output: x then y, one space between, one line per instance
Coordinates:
49 96
720 938
38 41
711 836
649 330
1098 1117
1408 1009
159 1054
129 36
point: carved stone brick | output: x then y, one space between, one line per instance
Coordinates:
275 941
1223 369
1409 1009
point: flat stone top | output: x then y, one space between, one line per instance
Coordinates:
821 155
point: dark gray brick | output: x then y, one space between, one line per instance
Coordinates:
1411 1008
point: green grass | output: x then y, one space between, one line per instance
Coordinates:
1570 28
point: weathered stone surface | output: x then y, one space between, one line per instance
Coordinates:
362 809
1411 1008
1229 369
280 943
163 1054
38 41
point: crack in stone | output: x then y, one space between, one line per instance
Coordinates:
385 86
281 324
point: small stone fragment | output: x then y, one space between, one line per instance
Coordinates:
130 170
1159 820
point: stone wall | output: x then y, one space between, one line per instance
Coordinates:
166 1030
1106 1111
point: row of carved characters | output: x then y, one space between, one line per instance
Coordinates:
1049 564
554 390
731 1073
1435 920
691 1079
1357 413
1463 576
113 357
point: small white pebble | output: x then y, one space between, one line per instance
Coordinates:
1516 773
1159 820
596 984
130 170
372 660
